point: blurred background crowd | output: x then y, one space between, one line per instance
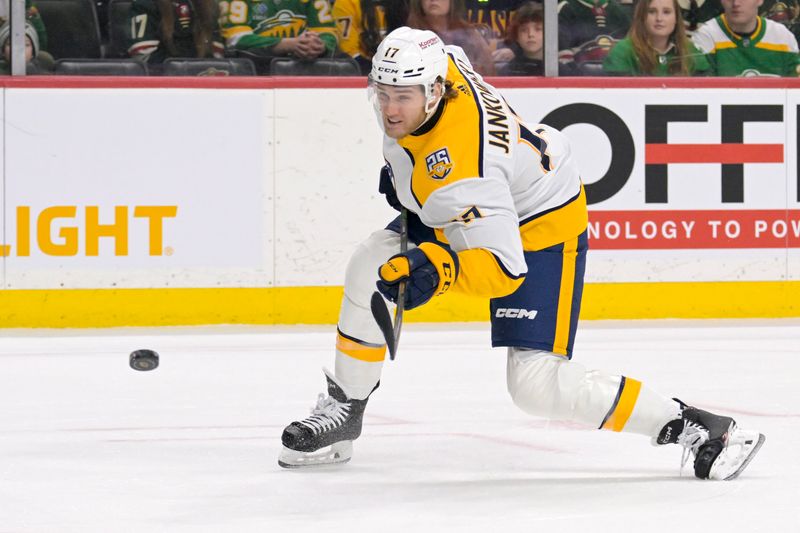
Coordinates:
338 37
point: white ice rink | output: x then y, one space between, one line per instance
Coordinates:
89 445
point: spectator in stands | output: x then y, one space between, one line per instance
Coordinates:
174 28
32 17
298 28
495 16
447 18
741 43
656 44
525 38
37 61
586 32
786 12
362 25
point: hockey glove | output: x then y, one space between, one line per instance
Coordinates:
386 187
429 271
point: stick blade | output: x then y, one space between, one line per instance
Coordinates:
384 320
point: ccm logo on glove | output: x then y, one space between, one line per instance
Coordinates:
429 271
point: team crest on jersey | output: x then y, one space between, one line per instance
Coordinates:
439 164
284 24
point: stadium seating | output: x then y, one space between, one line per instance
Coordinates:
119 30
73 30
178 66
101 67
340 66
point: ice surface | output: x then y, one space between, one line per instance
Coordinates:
89 445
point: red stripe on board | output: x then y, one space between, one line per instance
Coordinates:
662 154
664 230
360 82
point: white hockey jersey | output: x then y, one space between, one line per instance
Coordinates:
491 185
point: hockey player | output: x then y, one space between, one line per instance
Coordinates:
497 209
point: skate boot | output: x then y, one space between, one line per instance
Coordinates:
720 448
334 424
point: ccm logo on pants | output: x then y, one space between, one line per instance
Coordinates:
515 313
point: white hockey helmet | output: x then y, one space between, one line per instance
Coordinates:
408 57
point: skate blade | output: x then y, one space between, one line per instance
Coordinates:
748 443
336 454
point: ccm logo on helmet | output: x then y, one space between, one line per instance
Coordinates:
388 70
515 313
425 44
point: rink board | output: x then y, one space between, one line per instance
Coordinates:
227 201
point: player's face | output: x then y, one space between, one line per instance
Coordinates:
741 14
530 38
661 18
402 109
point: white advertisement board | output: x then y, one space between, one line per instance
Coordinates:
683 184
138 188
274 187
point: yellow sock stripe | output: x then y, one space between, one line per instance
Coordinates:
564 313
362 351
623 407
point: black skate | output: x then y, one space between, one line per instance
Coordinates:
334 423
721 449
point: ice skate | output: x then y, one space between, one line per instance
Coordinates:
720 448
326 437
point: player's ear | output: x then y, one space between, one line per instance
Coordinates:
438 88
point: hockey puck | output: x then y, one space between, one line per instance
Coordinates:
143 360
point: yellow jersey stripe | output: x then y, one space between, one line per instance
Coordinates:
564 312
363 351
623 406
724 20
482 274
555 226
227 33
723 45
773 46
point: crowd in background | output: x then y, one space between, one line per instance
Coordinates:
500 37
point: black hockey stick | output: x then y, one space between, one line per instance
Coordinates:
391 333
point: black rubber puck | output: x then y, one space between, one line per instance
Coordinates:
143 360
